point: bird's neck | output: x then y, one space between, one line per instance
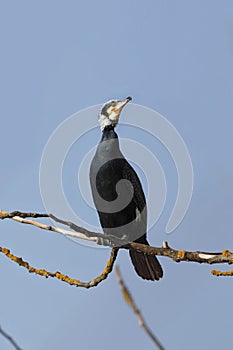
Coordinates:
109 133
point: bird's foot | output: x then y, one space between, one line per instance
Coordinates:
103 241
112 241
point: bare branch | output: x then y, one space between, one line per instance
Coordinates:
80 232
4 215
177 255
130 301
73 282
10 339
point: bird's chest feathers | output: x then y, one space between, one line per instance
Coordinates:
108 176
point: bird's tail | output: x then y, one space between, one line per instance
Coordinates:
146 266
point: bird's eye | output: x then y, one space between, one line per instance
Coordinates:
113 103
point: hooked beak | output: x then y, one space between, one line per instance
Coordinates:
121 104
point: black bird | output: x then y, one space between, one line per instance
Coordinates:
118 194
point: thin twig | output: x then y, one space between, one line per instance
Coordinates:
10 339
130 301
222 273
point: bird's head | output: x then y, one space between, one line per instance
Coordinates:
110 112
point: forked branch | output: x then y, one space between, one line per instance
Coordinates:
222 257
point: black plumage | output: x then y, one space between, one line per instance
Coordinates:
118 194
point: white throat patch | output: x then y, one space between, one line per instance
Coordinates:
105 121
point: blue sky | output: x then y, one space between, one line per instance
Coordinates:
57 58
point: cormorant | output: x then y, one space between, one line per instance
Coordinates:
118 194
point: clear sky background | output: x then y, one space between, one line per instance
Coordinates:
59 57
